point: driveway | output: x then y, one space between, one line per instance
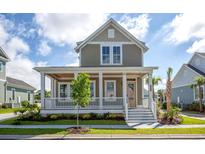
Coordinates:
200 116
7 116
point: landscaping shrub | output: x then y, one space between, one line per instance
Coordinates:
85 116
194 106
93 116
54 117
164 105
4 106
25 104
171 117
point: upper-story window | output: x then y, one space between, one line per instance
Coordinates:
111 54
1 67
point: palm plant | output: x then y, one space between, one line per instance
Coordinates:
169 88
199 81
155 82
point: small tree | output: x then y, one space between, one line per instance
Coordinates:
199 81
169 88
81 92
155 82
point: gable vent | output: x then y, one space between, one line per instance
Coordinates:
111 33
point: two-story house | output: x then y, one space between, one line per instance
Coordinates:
12 91
114 59
182 92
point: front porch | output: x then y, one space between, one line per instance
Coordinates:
114 90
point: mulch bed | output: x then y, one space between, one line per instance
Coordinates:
77 130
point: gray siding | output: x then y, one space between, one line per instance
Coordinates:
185 76
103 36
2 92
198 62
22 93
185 93
90 56
3 73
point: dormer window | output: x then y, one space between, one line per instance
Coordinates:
111 54
111 33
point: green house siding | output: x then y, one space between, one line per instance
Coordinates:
19 93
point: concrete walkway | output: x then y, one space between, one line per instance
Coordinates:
7 116
100 136
136 126
194 115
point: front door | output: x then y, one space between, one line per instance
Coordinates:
131 94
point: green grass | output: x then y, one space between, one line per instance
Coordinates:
191 121
64 122
9 110
12 131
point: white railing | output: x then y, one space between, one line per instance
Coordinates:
153 107
67 103
145 102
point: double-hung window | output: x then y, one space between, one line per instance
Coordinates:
110 88
111 54
13 93
29 96
92 89
64 90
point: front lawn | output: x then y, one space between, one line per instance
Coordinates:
8 110
63 122
191 121
18 131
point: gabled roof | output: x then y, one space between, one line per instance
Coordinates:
201 53
116 25
196 70
3 55
19 83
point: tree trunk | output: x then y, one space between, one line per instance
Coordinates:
77 116
168 95
200 100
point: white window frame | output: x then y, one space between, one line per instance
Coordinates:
69 91
1 66
111 33
94 82
106 81
196 99
13 90
110 45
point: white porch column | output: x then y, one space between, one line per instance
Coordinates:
43 89
150 88
101 89
54 88
75 75
124 88
124 92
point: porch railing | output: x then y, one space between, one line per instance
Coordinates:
67 103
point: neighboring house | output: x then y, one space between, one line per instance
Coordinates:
114 58
182 92
12 91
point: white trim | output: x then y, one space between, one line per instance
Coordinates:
118 27
94 82
106 81
1 67
96 42
111 45
194 93
61 83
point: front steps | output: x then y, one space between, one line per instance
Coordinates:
140 115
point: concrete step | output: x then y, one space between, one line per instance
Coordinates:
141 121
144 115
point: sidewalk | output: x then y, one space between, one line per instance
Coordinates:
96 137
154 125
7 116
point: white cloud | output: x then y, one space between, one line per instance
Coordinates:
137 25
68 28
44 49
20 66
186 27
197 46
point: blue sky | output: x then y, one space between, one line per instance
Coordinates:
48 39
